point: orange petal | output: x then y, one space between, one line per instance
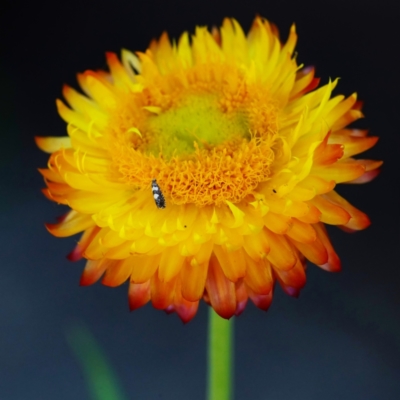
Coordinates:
313 216
333 264
53 197
300 194
258 276
331 213
119 252
256 246
61 190
162 293
358 220
372 169
346 119
366 177
95 249
340 171
281 254
204 253
277 223
261 301
305 82
139 294
232 262
369 165
314 252
171 263
220 290
193 278
186 309
301 232
144 244
94 269
353 145
327 154
331 154
143 267
83 243
295 278
51 175
117 273
319 185
72 224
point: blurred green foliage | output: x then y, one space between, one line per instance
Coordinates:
101 380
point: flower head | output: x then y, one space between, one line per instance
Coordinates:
206 169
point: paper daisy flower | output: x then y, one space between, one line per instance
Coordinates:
206 169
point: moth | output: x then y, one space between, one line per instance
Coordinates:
157 194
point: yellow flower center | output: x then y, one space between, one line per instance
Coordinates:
198 118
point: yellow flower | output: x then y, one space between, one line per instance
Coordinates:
233 133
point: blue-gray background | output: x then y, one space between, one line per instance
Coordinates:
339 340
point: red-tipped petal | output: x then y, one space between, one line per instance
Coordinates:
261 301
295 278
162 293
340 171
170 309
281 254
241 297
118 273
220 289
258 276
327 154
331 213
77 253
366 177
139 294
358 219
73 223
93 271
291 291
314 252
333 264
186 309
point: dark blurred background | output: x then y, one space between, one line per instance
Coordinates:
339 340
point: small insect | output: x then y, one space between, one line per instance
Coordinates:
157 194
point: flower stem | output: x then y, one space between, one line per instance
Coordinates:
220 359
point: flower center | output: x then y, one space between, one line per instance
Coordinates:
197 118
205 134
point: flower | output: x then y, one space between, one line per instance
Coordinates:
234 138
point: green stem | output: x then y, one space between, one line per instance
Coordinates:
220 359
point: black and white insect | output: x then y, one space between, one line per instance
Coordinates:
157 194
